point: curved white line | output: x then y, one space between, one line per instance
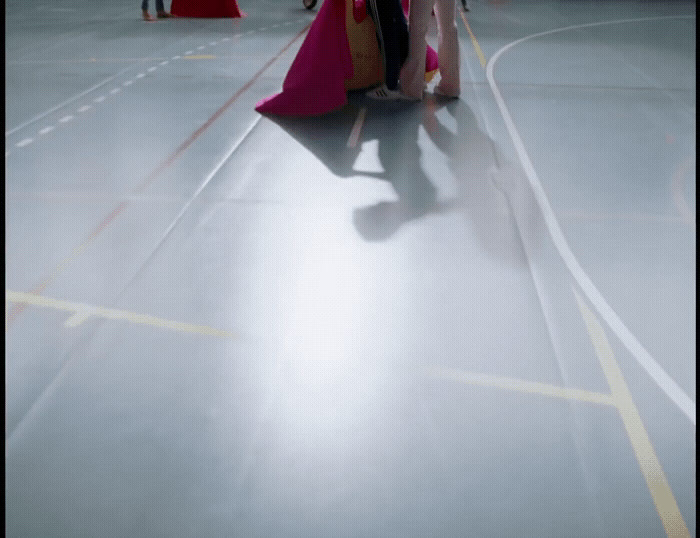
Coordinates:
643 357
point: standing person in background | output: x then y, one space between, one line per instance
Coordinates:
392 35
413 70
160 11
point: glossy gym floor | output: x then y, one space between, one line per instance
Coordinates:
451 318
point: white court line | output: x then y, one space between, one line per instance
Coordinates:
84 108
151 69
141 75
99 99
189 52
225 39
128 83
66 119
64 103
201 47
175 58
24 142
213 43
47 129
115 90
643 357
164 62
357 128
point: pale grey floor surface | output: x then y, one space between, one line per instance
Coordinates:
393 316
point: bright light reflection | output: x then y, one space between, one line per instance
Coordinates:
330 327
368 159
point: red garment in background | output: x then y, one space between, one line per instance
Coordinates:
206 8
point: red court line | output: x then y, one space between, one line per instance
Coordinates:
18 308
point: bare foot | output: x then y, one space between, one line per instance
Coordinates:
148 17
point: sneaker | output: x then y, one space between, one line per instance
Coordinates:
383 93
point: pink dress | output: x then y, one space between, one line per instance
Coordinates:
315 82
206 8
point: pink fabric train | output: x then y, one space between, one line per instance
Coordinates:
315 82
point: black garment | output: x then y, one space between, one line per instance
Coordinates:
392 35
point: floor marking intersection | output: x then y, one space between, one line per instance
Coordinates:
81 312
19 308
620 397
654 475
520 385
670 387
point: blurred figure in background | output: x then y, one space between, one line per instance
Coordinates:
160 11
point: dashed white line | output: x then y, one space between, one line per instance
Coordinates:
84 108
175 58
141 75
201 47
66 119
225 39
262 29
66 102
151 69
213 43
189 52
128 83
47 129
164 62
115 90
99 99
24 142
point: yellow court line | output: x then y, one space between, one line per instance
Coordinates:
520 385
479 53
82 311
657 483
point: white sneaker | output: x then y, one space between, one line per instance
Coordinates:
383 93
